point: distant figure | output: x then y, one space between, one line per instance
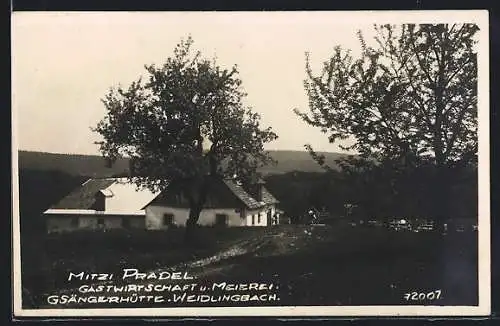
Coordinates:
313 217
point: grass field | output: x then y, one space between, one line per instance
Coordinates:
313 265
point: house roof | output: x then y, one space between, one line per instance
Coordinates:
242 195
249 200
121 196
268 197
226 193
126 196
83 197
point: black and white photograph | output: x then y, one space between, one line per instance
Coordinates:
314 163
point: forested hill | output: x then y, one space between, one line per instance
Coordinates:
72 164
93 165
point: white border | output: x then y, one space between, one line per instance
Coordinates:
480 17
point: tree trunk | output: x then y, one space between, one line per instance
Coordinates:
441 200
196 206
191 223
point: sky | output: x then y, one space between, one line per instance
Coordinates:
64 63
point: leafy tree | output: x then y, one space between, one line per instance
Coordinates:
409 100
184 127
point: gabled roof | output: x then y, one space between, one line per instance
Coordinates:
224 193
83 197
268 198
126 196
242 195
121 196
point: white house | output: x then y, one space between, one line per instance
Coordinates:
108 203
228 204
112 203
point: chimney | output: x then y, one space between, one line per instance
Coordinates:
260 186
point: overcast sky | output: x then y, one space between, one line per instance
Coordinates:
64 63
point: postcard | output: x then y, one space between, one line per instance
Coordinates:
291 164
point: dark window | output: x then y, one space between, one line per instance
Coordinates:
221 219
258 218
74 221
100 222
168 219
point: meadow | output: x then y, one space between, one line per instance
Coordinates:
313 265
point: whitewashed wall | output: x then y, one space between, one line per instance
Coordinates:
252 216
154 216
273 211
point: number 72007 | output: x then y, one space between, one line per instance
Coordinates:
422 296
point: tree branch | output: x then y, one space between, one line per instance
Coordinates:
419 60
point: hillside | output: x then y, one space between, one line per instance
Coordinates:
93 165
73 164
